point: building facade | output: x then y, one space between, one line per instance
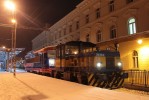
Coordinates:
40 41
111 24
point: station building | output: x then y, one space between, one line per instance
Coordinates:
121 25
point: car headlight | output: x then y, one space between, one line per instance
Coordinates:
119 64
99 64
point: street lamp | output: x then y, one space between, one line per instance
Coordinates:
13 21
139 41
10 5
3 47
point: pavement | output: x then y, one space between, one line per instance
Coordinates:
28 86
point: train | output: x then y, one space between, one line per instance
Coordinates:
39 62
84 63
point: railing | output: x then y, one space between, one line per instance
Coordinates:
138 78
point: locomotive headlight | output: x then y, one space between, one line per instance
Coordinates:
51 62
75 52
119 64
98 64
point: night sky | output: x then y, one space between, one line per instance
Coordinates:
32 13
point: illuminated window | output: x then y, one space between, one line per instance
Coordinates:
135 59
131 26
97 13
111 5
113 32
87 18
98 36
87 38
129 1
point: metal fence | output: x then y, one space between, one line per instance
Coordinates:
138 78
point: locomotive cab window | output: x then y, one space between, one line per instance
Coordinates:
71 50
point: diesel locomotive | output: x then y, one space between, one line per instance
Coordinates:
83 62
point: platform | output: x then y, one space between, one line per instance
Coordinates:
28 86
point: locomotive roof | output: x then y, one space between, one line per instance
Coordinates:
80 43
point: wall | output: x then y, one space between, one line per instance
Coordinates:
126 51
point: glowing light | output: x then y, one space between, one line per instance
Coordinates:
75 52
13 21
144 51
144 55
139 41
119 64
51 62
99 64
3 47
10 5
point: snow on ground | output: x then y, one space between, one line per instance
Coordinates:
28 86
137 92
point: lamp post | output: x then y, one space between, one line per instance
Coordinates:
14 44
9 4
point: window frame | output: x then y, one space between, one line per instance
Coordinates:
111 6
60 35
55 36
70 28
132 26
113 32
135 59
77 25
98 36
97 13
87 18
88 38
64 31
